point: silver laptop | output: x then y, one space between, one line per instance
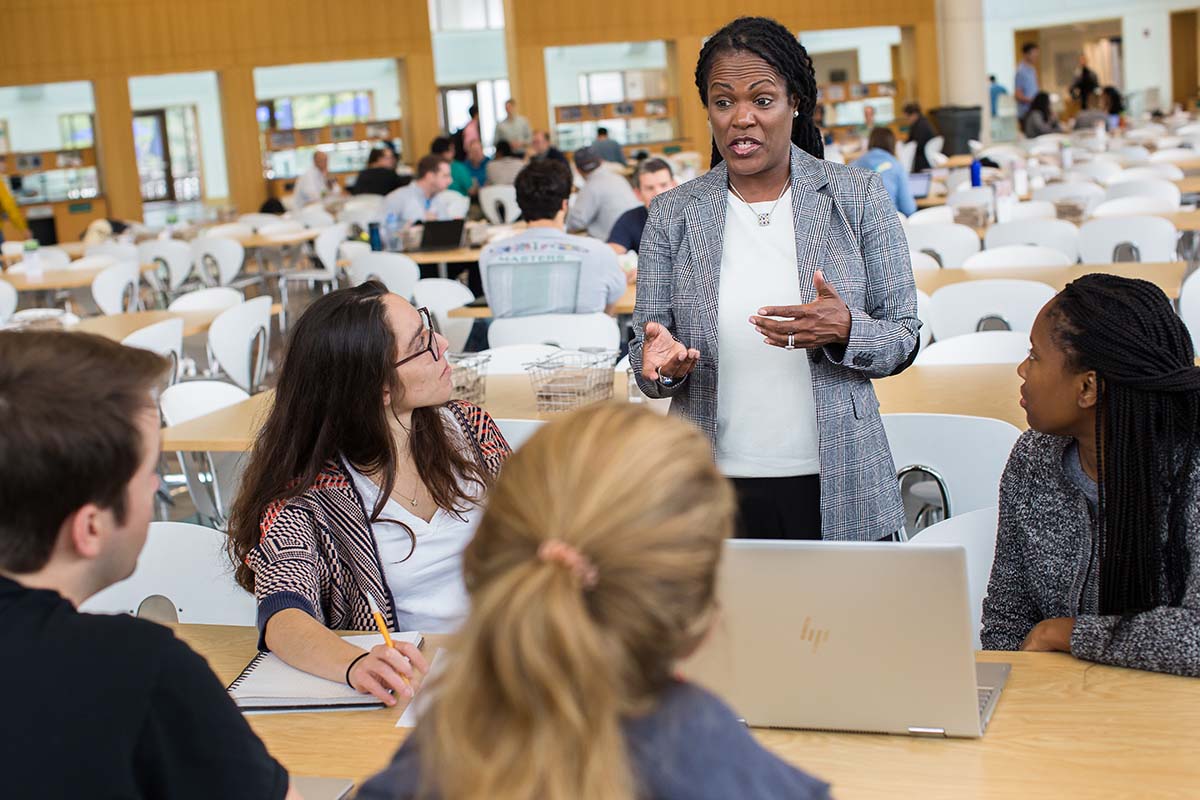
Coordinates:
869 637
322 788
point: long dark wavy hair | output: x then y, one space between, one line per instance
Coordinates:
329 405
1147 418
780 48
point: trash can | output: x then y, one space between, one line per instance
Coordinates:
958 125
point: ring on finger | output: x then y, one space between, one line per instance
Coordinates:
791 345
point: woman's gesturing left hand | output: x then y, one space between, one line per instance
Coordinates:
824 321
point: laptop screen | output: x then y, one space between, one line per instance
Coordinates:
919 182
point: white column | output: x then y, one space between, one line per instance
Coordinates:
963 63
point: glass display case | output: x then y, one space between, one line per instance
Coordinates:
51 177
639 122
287 154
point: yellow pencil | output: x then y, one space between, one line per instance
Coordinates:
383 628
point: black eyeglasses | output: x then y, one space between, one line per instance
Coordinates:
429 347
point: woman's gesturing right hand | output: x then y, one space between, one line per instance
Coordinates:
662 355
387 670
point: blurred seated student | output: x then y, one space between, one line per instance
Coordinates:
586 590
98 705
476 164
1040 119
1108 113
541 148
605 196
366 478
380 175
1098 547
504 168
654 177
881 157
542 191
419 201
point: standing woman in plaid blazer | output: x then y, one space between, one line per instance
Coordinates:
770 291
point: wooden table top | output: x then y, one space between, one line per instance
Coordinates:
623 306
1168 276
459 255
279 239
55 279
1063 728
1189 166
118 326
1184 220
1189 184
978 390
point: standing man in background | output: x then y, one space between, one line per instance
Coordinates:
1085 85
920 131
513 129
315 184
995 90
1025 82
608 149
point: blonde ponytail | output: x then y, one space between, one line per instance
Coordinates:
565 641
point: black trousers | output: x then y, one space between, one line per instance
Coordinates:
779 508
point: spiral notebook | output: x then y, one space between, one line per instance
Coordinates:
269 684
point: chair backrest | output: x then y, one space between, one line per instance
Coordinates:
1168 155
440 296
54 257
361 215
326 246
452 204
986 347
1189 307
217 298
98 261
1153 237
258 221
934 215
1132 206
907 153
511 359
960 308
189 565
240 339
119 251
115 290
352 249
971 196
164 338
8 300
517 431
15 247
1164 171
950 243
925 315
519 290
1056 234
172 255
1017 255
1133 154
1082 191
976 532
212 478
1032 209
1098 169
933 152
282 227
499 204
230 230
1156 188
398 272
923 262
570 331
218 260
316 217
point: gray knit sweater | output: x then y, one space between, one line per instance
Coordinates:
1047 566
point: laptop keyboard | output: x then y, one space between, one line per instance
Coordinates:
985 697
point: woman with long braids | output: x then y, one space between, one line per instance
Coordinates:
1098 548
770 291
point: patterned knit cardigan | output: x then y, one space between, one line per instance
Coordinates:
317 552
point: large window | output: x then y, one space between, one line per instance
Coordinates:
315 110
618 87
76 131
466 15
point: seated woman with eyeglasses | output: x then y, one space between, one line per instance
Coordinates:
366 481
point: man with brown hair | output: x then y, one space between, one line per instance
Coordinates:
99 706
419 201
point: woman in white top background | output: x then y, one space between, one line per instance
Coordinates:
365 480
770 291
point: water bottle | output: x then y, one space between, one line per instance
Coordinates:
391 231
976 172
374 237
32 260
1066 157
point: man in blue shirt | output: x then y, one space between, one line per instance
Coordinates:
608 149
995 90
1025 83
415 202
654 177
880 158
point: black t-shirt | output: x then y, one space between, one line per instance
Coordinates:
376 180
102 707
627 230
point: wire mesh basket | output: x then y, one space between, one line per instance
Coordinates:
468 374
572 379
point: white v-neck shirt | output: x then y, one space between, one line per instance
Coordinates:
766 413
425 581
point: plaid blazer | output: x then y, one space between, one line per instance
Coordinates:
317 552
845 225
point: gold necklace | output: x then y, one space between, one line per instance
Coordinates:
764 220
412 501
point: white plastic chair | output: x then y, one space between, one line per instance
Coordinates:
934 215
97 261
240 338
8 300
1017 255
281 227
517 431
923 262
185 401
570 331
1168 155
976 532
512 359
398 272
1056 234
174 256
925 315
230 230
1149 239
189 565
361 215
1100 170
452 204
325 246
118 251
115 290
15 247
219 260
494 199
1032 209
352 249
1152 188
315 217
1080 191
164 338
440 296
970 196
934 154
217 298
1133 206
258 221
1133 154
960 308
906 152
1189 307
950 243
986 347
1164 171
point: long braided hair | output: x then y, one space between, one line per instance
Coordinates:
1147 417
777 46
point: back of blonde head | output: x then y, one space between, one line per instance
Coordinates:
546 667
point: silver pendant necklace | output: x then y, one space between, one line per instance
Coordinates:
764 220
